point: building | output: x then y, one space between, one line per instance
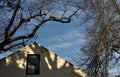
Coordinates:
36 61
117 76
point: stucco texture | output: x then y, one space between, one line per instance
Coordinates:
51 65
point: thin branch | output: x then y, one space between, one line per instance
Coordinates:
74 13
31 17
116 6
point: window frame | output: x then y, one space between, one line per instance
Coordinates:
36 65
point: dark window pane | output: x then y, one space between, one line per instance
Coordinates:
33 64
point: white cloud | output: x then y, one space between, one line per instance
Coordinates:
71 35
61 45
69 39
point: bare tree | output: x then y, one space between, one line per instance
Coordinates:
29 16
103 45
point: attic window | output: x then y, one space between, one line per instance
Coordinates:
33 64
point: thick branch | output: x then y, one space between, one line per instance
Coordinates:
12 19
16 28
14 45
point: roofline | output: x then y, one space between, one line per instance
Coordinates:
8 53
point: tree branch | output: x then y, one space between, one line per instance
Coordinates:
10 29
14 45
16 28
12 19
116 6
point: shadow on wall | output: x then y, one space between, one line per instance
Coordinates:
51 65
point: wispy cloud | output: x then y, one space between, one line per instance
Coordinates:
64 39
69 39
71 35
61 45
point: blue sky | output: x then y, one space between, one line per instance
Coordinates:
64 39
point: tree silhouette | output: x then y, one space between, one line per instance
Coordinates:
103 46
29 16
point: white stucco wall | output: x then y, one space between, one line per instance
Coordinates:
51 65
